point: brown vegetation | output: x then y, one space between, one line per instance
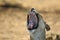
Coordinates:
13 18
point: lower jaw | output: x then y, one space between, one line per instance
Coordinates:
30 29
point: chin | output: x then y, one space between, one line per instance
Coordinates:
33 28
30 28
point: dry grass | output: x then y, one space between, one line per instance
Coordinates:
13 20
13 24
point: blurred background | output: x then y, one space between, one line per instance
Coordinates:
13 18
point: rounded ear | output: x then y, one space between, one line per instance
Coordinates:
57 37
47 27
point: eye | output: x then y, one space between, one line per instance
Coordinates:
33 11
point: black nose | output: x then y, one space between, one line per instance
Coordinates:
32 9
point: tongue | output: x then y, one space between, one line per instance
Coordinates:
30 27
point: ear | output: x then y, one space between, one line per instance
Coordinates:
47 27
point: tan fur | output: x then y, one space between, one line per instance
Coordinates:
39 33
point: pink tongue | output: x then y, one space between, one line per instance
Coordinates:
30 26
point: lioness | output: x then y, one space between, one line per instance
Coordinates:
36 25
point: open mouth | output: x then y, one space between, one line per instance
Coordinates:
32 20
